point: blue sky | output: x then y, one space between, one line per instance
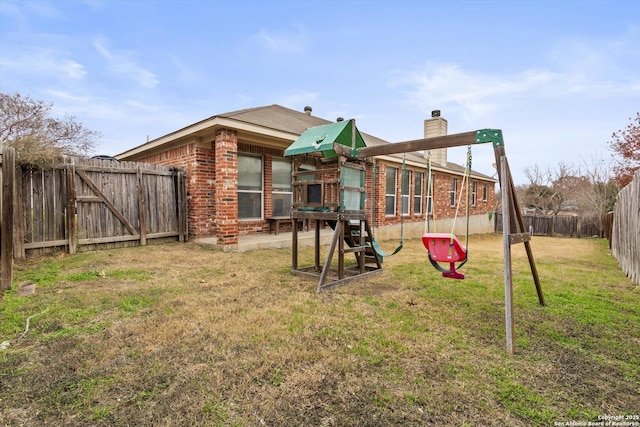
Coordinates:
558 77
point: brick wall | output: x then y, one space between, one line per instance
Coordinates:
212 186
442 207
226 187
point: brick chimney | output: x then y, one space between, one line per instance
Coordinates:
436 126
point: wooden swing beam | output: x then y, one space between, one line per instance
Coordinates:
513 222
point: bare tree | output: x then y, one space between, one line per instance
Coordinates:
549 190
625 145
588 190
26 125
602 191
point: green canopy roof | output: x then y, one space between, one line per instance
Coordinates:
321 138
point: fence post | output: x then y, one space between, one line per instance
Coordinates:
19 224
6 240
71 208
142 206
181 194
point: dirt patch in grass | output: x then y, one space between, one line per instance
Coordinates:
180 334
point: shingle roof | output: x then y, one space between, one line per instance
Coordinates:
279 118
276 117
285 119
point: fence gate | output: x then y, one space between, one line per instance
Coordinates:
87 204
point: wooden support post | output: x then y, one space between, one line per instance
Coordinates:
508 288
327 264
294 248
71 209
181 194
142 207
19 251
361 254
8 197
516 221
316 252
345 227
527 241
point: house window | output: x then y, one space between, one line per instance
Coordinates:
390 192
249 186
453 192
485 192
474 192
281 186
417 195
406 194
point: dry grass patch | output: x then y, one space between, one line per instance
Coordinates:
179 334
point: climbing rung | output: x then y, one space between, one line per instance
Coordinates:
354 249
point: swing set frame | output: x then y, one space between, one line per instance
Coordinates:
513 228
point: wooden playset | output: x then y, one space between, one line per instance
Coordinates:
329 187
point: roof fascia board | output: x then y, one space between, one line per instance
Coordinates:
207 126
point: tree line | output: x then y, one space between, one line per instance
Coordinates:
589 188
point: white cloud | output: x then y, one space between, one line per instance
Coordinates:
298 100
185 72
599 67
281 41
473 94
93 4
44 9
46 63
123 63
578 69
67 97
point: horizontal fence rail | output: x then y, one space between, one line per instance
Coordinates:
85 204
557 226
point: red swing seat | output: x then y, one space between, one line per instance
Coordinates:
443 247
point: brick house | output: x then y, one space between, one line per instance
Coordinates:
238 176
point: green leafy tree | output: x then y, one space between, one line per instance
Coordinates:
39 139
625 145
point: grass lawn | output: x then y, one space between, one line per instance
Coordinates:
180 334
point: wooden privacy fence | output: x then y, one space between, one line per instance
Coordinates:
625 234
556 226
85 204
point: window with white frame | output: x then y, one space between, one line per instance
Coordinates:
406 191
453 191
281 186
474 192
249 186
390 192
417 193
485 192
